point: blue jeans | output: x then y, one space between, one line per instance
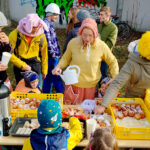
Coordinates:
51 80
104 67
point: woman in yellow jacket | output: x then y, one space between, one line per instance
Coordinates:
30 47
50 134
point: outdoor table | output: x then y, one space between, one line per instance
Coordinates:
18 141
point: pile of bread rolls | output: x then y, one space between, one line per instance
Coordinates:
25 103
128 110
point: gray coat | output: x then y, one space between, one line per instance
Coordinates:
135 74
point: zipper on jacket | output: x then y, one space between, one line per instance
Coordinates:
24 39
46 137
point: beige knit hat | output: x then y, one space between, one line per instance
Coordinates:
3 20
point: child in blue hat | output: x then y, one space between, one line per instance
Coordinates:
29 83
51 135
103 86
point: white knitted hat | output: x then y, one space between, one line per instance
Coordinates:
3 20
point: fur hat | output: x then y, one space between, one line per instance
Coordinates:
50 117
144 45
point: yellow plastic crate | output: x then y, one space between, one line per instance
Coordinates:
147 99
131 132
32 113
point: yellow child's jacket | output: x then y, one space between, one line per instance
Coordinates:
75 135
27 51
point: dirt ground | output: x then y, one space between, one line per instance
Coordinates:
134 36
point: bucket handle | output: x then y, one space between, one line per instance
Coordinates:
74 66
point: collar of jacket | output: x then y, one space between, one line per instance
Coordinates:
36 38
107 23
49 21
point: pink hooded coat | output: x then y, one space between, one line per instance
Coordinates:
32 20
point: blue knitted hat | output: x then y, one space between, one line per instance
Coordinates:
82 15
49 117
106 80
29 76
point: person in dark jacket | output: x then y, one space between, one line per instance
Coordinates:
72 17
4 47
81 15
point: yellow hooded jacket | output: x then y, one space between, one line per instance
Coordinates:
27 51
75 135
